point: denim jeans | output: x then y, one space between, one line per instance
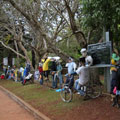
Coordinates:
54 81
113 81
21 78
59 76
77 85
70 81
41 79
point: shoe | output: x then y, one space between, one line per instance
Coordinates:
114 103
118 105
82 93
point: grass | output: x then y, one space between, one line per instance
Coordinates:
41 96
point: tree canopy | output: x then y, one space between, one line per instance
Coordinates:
60 27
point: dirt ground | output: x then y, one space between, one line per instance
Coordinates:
97 109
94 109
10 110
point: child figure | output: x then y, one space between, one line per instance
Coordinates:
41 73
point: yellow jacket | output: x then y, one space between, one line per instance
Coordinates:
45 65
16 70
113 63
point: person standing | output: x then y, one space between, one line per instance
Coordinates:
45 68
58 74
21 70
71 65
16 73
5 70
53 73
115 81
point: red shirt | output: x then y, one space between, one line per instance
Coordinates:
40 69
2 76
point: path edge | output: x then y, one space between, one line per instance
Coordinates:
25 105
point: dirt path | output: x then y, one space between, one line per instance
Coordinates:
97 109
10 110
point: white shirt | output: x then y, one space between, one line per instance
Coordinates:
21 69
36 75
83 74
71 67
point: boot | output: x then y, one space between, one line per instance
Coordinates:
118 105
114 101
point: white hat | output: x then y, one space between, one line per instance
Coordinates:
83 50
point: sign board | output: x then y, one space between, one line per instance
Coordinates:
101 52
5 61
13 61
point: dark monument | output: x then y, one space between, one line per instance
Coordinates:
100 52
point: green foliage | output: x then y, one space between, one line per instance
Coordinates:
99 14
72 49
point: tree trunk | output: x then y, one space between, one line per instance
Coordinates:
25 52
17 62
33 59
78 34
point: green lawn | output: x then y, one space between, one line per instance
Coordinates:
41 97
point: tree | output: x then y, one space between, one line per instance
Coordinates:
48 18
12 33
102 14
